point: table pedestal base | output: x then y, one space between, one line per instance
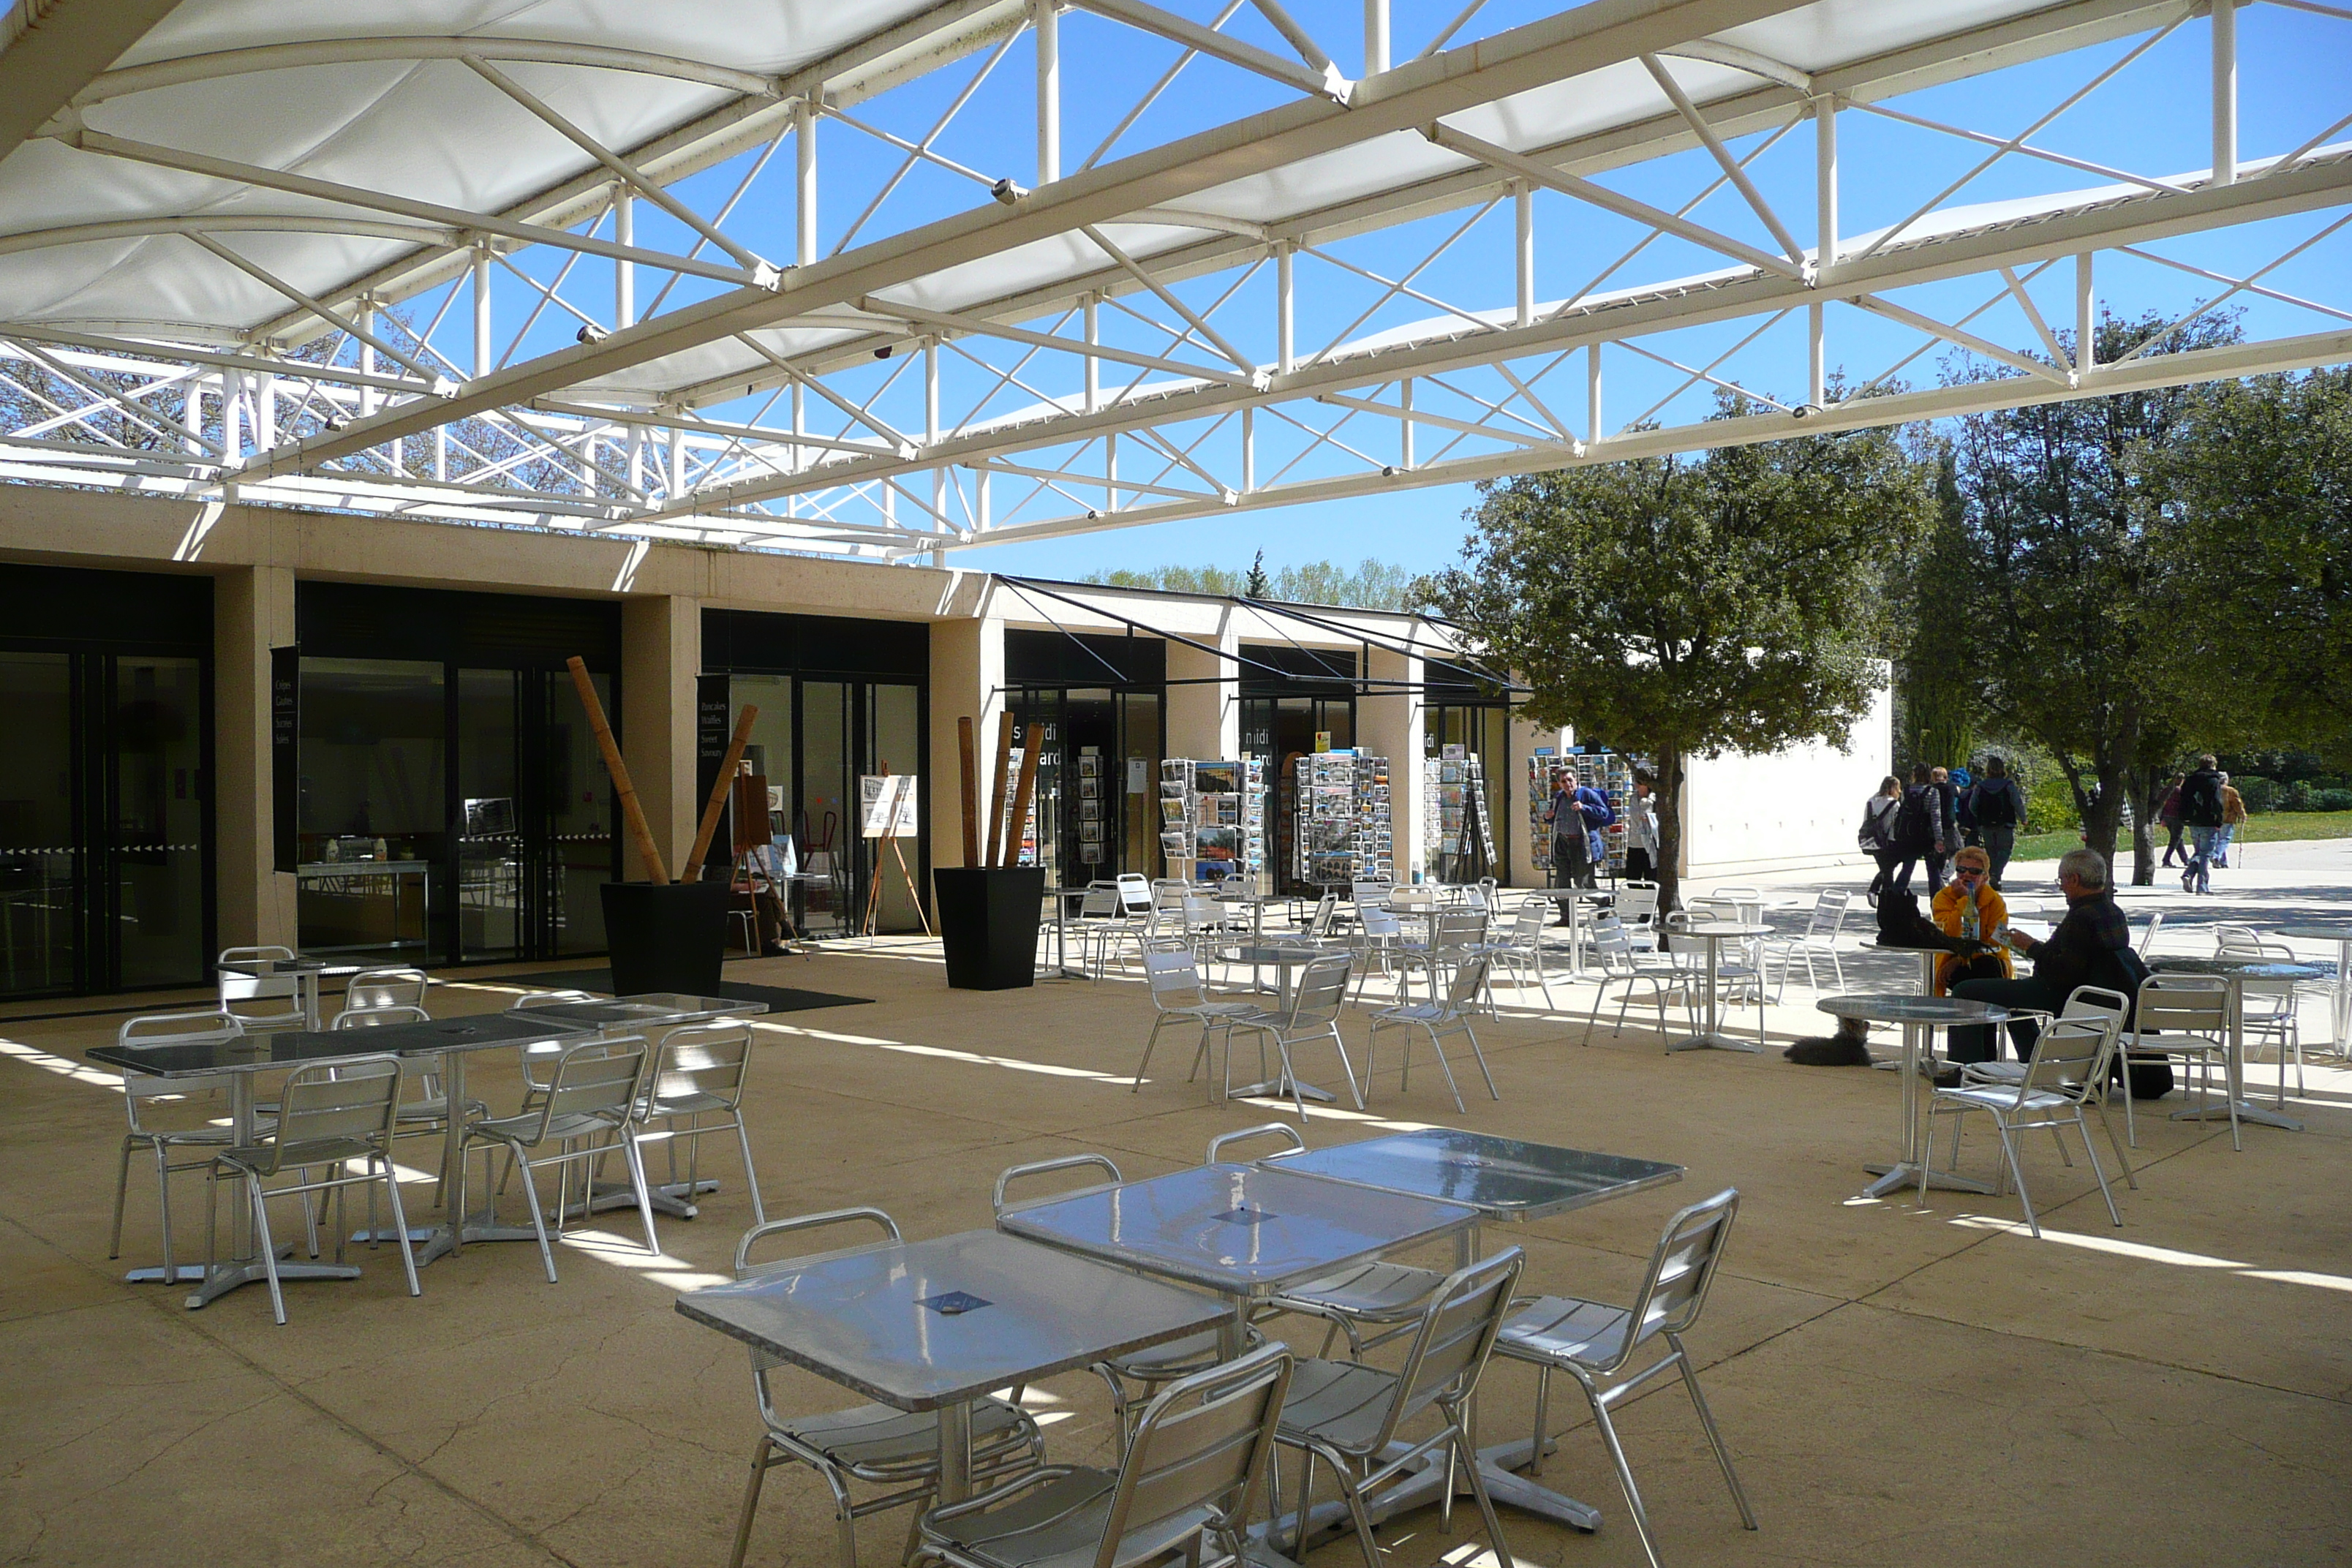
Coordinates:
226 1277
443 1241
1278 1089
1328 1520
1714 1043
1892 1178
2256 1114
181 1274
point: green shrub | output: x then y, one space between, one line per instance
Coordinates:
2301 796
2333 799
2051 804
2259 793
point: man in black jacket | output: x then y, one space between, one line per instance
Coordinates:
2200 812
1999 806
2086 948
1944 802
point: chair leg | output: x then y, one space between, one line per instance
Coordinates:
1363 1517
637 1179
1346 1068
759 1461
1478 1490
2009 1151
399 1226
750 1177
1714 1436
121 1186
2131 1178
1438 1050
1543 1409
538 1216
2083 1128
1492 1093
163 1209
1153 1039
1625 1473
269 1247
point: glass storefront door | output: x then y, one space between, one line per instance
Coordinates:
104 835
1097 781
1281 729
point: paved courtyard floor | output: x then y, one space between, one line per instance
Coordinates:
1899 1384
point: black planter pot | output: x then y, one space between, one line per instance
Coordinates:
667 938
987 923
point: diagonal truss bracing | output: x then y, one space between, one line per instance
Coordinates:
737 312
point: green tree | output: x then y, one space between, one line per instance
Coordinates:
1255 586
1687 607
1937 697
2259 562
2062 574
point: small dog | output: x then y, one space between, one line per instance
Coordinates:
1849 1048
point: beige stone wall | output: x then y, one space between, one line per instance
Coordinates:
253 612
661 653
1389 723
1205 721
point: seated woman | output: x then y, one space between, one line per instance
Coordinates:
1968 906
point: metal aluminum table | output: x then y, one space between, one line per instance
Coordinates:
650 1010
1281 960
241 1060
934 1325
2237 971
1572 901
2340 999
1921 1018
305 971
1927 957
1507 1182
1245 1232
1714 933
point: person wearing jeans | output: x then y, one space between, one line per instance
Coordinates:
2201 809
1999 806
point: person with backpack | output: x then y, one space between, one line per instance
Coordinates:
1876 839
1576 814
1918 829
1999 807
2168 814
1945 802
2202 810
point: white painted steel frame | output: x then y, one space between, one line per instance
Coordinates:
1227 408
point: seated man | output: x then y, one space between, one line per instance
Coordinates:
2084 950
772 872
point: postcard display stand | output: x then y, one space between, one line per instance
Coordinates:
1212 819
1610 773
1456 827
1344 829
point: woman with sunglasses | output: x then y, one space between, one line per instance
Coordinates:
1968 906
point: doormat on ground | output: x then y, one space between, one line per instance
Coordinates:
779 998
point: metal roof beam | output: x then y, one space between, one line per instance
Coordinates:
64 45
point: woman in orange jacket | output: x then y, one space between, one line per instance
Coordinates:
1968 906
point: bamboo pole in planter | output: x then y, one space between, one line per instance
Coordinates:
964 744
692 870
631 812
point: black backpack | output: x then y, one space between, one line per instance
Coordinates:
1995 803
1914 830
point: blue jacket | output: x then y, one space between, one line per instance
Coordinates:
1591 811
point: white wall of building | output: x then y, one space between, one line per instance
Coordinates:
1789 810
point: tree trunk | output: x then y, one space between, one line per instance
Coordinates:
1668 796
2103 817
2145 782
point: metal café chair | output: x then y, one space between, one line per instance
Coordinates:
1378 1295
1157 1364
699 1073
2267 1009
328 1116
425 1113
1184 1490
1449 1015
1818 939
189 1124
262 1003
1313 1013
2185 1016
1177 993
1520 949
1595 1343
1103 927
1453 935
1347 1414
871 1444
1378 936
592 1094
1619 962
2067 1070
536 1056
398 987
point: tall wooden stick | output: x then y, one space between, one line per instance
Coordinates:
692 870
996 797
631 812
1020 798
971 794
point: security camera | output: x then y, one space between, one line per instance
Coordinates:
590 333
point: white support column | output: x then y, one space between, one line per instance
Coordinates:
804 183
2225 92
800 453
1817 377
676 488
265 411
661 653
1825 242
481 309
1093 307
625 273
1523 210
1376 36
2086 316
253 612
1592 431
1046 19
1284 357
441 454
967 681
1390 723
1404 426
1249 451
367 358
931 422
1204 717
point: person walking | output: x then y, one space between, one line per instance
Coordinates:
1877 837
1642 833
1576 811
1999 807
2200 812
2168 813
1916 826
2233 816
1964 811
1945 802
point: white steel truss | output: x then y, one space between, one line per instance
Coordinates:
1264 281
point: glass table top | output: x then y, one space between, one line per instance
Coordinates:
2245 968
1896 1008
1243 1230
270 968
652 1008
295 1048
2310 932
1501 1178
921 1324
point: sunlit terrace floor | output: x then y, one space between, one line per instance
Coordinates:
1899 1384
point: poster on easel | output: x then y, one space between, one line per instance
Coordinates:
887 805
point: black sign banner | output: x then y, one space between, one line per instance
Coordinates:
714 726
285 752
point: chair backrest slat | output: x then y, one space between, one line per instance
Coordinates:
1469 979
332 1104
385 988
1198 1452
598 1078
710 1058
1321 990
1673 1292
2183 1005
1456 1333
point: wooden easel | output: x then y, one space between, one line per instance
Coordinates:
874 891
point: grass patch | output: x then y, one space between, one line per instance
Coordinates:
2271 828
